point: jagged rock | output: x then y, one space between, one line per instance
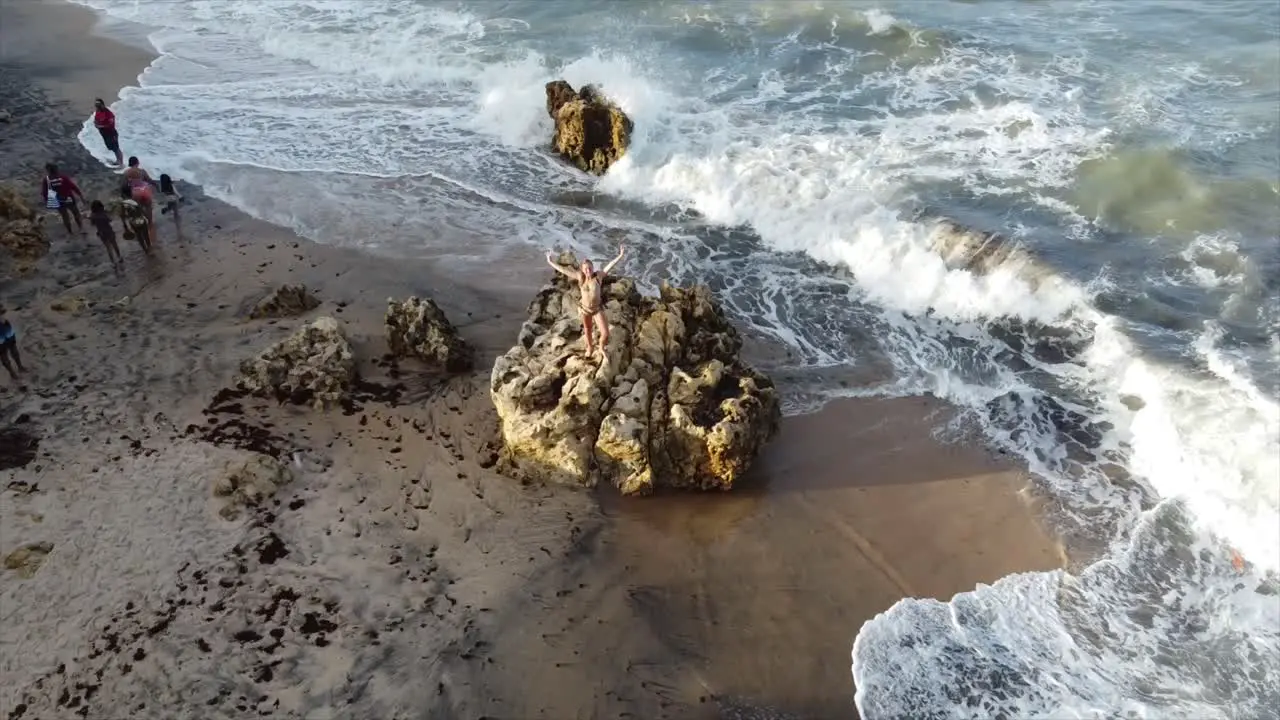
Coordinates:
26 560
417 327
21 228
591 132
559 92
671 406
285 301
313 365
248 483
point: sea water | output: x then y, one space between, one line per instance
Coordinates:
1124 337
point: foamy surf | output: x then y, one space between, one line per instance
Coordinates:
933 195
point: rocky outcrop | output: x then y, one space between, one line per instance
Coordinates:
21 229
417 327
671 405
246 484
591 132
314 365
285 301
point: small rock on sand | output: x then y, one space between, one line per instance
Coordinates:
285 301
27 559
70 304
249 482
314 365
417 327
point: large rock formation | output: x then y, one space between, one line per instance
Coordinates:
671 405
418 328
21 230
314 365
285 301
591 131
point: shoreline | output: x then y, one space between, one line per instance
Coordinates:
483 598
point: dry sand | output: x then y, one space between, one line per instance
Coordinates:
395 576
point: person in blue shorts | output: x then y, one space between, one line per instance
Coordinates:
9 346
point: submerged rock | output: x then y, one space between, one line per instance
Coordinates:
417 327
671 406
21 228
314 365
285 301
248 483
591 132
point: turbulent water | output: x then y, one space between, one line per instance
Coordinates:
1121 332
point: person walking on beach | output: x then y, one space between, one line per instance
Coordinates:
101 220
590 299
105 121
59 193
9 346
134 219
170 199
140 187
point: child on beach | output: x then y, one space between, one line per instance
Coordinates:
134 219
170 201
9 346
102 223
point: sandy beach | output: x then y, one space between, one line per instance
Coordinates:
397 576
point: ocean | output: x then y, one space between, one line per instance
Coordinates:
1061 217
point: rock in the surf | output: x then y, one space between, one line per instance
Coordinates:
314 365
21 228
417 327
671 406
591 131
247 483
285 301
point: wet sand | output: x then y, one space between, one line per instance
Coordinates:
396 576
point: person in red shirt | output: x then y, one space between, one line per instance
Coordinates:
105 121
60 193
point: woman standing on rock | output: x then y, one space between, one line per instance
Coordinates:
590 300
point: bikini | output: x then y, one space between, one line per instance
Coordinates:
140 189
586 311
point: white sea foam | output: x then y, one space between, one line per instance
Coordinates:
387 101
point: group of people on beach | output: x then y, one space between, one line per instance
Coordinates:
134 205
